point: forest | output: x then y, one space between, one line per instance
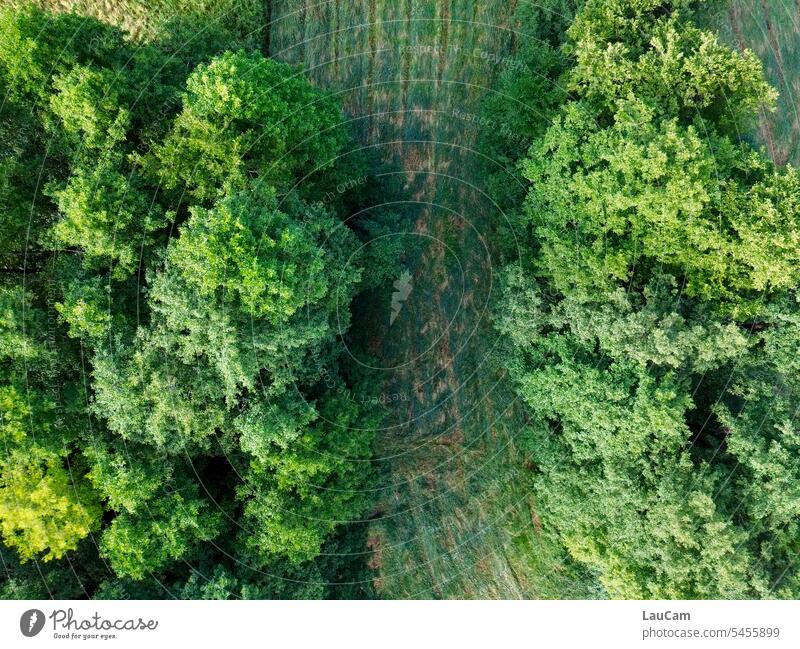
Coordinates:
514 316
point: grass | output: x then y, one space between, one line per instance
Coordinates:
147 18
456 516
771 29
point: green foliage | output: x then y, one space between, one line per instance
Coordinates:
244 292
646 49
170 314
128 474
44 509
138 546
243 115
653 331
46 504
610 204
87 105
762 435
36 48
300 487
85 310
272 264
105 213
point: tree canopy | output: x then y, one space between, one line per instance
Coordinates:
177 275
651 321
173 298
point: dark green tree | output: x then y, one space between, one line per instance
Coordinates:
172 301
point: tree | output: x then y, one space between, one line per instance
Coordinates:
245 115
245 293
665 261
46 504
306 481
171 308
760 422
166 530
44 509
612 204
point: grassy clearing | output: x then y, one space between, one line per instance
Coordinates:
456 516
771 28
148 18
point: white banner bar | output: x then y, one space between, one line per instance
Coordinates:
373 625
